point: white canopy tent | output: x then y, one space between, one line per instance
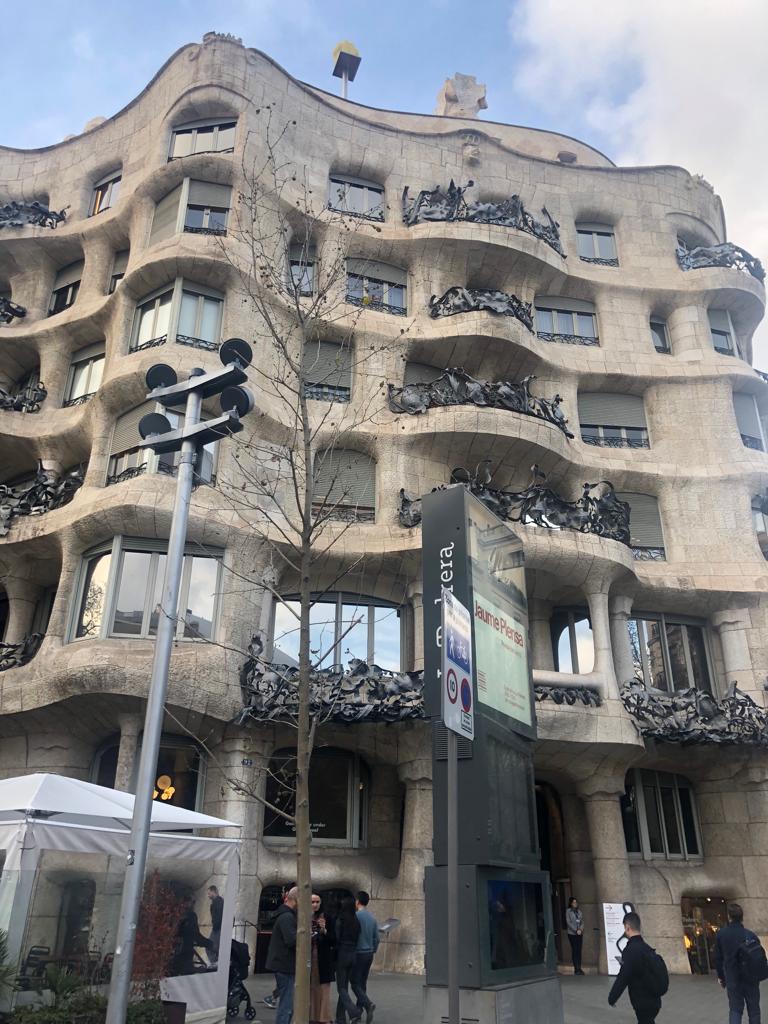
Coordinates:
57 832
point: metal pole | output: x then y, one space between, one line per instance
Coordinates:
344 84
120 983
453 877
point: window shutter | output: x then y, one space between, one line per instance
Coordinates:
421 373
381 271
345 477
328 364
566 304
588 225
126 433
746 415
719 320
89 352
605 410
644 520
166 214
69 274
206 193
120 262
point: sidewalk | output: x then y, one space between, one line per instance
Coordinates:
690 1000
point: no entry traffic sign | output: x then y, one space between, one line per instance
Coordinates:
456 667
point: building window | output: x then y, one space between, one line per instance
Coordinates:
659 815
301 264
342 627
572 641
214 136
327 371
85 372
646 536
721 331
567 321
105 193
659 335
119 266
344 485
357 197
180 774
65 287
128 460
421 373
207 208
748 422
377 286
188 313
612 421
760 521
339 787
121 591
597 244
669 653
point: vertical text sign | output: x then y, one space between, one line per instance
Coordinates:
456 667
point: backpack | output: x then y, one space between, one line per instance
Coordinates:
657 975
751 961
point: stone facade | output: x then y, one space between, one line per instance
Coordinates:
62 709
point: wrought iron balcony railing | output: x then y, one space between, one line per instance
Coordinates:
567 339
470 300
600 261
152 343
29 399
201 343
615 442
382 307
45 491
645 554
755 443
80 400
14 655
724 255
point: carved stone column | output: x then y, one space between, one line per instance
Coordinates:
732 626
689 335
130 727
581 872
601 634
623 661
417 625
23 596
541 635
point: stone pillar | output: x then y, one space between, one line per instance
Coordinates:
623 661
417 604
732 626
23 596
130 727
581 874
541 635
689 336
98 264
601 633
613 883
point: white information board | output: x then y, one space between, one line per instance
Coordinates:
456 667
613 914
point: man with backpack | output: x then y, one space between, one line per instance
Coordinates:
642 971
741 965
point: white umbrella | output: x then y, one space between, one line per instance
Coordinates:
58 798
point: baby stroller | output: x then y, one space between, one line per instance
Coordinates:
237 993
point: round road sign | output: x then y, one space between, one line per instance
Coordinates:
466 695
452 686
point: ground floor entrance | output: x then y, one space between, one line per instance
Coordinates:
703 916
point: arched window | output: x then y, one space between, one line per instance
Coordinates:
597 244
378 286
184 312
180 774
345 485
339 786
564 320
659 815
356 196
572 642
213 135
613 421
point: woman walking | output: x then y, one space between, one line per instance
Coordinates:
574 923
323 948
347 934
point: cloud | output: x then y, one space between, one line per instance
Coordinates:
82 45
682 82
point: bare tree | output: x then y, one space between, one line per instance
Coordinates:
291 486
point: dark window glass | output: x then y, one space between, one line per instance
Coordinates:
629 818
655 649
652 813
131 594
516 924
677 656
544 321
606 246
667 791
564 323
355 286
329 792
94 592
689 825
195 217
659 336
217 218
586 325
178 776
396 296
699 664
63 298
586 244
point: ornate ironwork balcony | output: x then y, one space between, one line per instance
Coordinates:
152 343
587 695
345 513
27 400
598 510
450 204
45 492
34 214
693 716
80 400
457 387
567 339
755 443
641 554
382 307
615 442
326 392
724 255
201 343
600 261
469 300
9 310
14 655
204 231
360 693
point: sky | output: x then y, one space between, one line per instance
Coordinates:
662 81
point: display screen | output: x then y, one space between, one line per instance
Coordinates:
517 927
500 616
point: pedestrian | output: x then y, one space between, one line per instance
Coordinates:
271 999
574 925
323 966
281 955
217 912
642 971
367 944
741 966
347 934
187 938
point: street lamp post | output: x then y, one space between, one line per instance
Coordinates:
188 441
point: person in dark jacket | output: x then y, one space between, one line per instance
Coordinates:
217 913
281 955
347 934
740 992
574 924
634 974
323 964
187 938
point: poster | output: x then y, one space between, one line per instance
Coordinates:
456 667
613 914
501 660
